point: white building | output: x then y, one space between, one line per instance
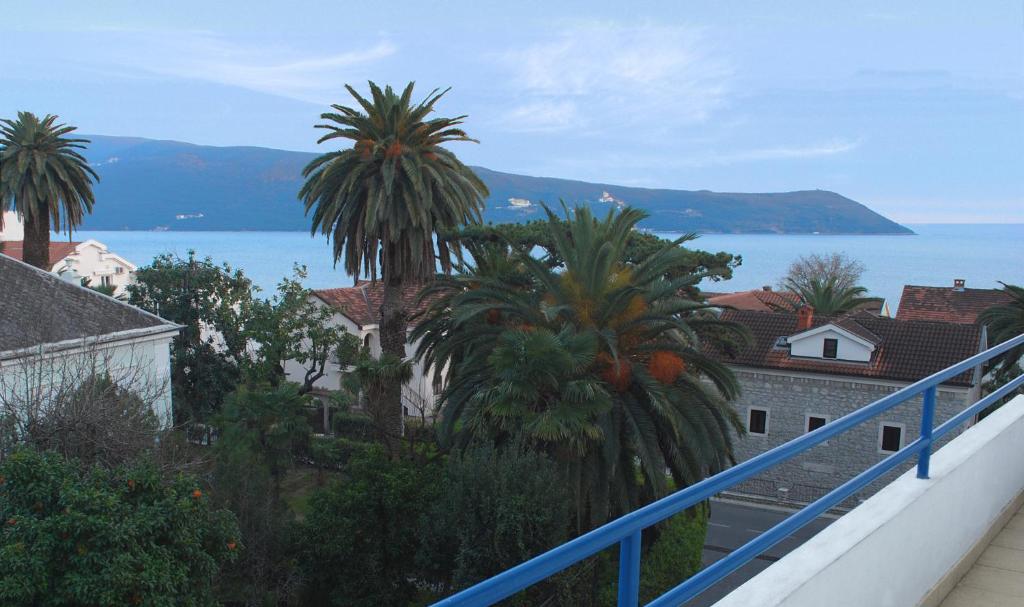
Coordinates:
357 309
73 260
54 333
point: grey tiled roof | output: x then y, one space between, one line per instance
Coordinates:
38 308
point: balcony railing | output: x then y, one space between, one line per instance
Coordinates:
627 529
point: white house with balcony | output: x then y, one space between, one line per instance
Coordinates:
90 260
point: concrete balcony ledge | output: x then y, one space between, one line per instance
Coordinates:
911 543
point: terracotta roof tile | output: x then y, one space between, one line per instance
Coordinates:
756 299
361 303
947 304
906 351
58 250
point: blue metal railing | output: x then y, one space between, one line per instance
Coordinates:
626 530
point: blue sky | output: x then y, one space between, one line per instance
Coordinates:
915 109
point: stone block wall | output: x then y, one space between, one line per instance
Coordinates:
790 399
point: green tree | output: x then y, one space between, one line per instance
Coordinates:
495 509
44 179
95 536
828 297
1004 322
262 432
597 361
291 326
360 537
383 200
215 305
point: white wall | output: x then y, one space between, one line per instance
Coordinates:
13 228
92 260
894 548
141 365
421 382
813 345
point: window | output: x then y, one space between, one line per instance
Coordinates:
757 420
831 348
816 421
890 438
106 280
118 270
366 340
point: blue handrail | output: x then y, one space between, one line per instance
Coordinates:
626 530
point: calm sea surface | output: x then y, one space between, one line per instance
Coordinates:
982 254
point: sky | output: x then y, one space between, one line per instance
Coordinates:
915 109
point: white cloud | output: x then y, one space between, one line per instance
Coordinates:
783 152
268 68
615 76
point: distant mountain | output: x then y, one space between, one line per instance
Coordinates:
148 184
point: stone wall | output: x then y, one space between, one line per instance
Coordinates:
790 399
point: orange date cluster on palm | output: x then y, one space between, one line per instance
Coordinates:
666 367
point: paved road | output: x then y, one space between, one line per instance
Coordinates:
733 525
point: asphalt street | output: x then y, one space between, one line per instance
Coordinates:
733 525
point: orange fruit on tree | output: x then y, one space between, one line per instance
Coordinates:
666 367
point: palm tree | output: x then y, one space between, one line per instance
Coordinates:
597 361
384 199
828 297
1004 322
44 180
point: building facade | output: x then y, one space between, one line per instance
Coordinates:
801 373
55 335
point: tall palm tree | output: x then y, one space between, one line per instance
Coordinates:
1004 322
44 180
597 361
384 199
828 297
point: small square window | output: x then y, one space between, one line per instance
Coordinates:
831 348
757 420
816 421
890 438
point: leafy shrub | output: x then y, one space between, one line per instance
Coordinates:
360 535
335 452
102 537
495 509
675 555
354 426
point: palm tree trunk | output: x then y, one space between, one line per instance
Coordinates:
37 238
393 337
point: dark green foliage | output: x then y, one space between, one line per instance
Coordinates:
355 426
675 555
262 432
360 537
44 179
215 304
495 509
98 537
1005 322
597 361
639 246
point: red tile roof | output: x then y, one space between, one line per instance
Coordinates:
361 303
947 304
58 250
759 300
906 350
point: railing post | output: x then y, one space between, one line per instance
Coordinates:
629 571
927 424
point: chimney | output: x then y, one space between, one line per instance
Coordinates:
958 284
766 288
804 318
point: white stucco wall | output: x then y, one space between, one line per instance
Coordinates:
13 228
140 364
812 346
894 548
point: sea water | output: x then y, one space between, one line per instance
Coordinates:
983 254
